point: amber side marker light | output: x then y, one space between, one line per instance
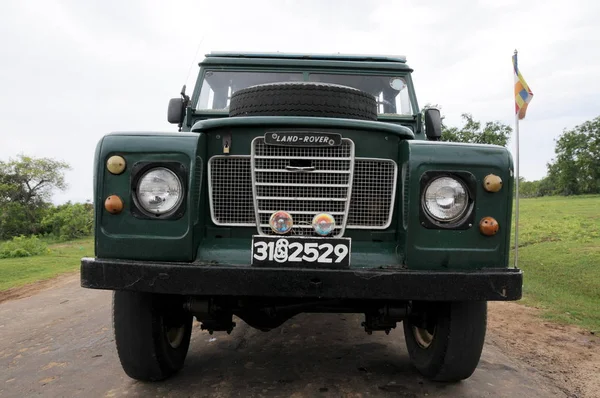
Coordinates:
113 204
488 226
116 164
492 183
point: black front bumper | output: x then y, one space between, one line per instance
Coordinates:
233 280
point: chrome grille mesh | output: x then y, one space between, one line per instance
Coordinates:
372 193
405 193
230 188
328 182
372 196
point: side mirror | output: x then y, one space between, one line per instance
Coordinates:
433 124
176 111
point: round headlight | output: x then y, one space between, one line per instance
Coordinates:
159 191
445 199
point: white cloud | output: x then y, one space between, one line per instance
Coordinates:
73 71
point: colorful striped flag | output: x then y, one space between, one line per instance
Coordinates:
523 94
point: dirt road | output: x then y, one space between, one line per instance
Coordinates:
59 343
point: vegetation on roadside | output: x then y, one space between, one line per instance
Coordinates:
26 187
23 246
559 252
63 258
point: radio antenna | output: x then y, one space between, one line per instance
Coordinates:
194 60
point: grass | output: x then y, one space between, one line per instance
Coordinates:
64 257
559 252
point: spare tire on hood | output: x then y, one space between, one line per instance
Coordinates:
303 99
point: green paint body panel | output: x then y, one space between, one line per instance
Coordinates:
125 236
365 254
194 238
304 122
457 249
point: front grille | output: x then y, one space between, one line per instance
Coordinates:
372 198
326 188
373 191
230 191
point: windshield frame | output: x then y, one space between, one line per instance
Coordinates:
406 75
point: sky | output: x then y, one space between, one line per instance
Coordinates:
73 71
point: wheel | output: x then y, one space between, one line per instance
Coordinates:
303 99
152 334
445 340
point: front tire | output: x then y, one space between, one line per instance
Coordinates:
152 334
445 340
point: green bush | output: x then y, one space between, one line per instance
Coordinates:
17 219
70 221
23 246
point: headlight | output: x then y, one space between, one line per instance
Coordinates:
159 191
445 199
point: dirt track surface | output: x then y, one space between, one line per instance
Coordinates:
59 343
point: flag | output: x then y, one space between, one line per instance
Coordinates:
523 94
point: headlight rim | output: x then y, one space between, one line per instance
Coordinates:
139 170
465 220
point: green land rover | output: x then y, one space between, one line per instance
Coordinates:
301 183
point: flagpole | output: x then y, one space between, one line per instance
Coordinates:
517 169
517 192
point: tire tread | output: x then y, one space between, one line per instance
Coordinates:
303 99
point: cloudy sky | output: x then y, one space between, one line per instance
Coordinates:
73 71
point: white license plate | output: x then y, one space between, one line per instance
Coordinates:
296 251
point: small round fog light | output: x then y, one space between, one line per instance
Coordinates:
281 222
488 226
113 204
115 164
492 183
323 223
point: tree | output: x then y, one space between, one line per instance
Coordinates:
493 133
528 189
576 168
547 186
26 186
31 179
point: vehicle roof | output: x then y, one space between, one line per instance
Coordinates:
330 57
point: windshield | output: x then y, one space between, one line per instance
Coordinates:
390 92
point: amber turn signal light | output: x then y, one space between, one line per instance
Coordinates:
113 204
492 183
488 226
115 164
